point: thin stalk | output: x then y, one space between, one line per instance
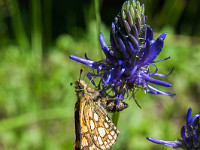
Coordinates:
98 24
36 32
115 118
97 14
18 26
36 47
47 13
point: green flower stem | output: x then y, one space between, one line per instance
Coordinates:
115 118
98 24
18 27
36 35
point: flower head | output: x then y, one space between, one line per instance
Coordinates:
190 134
133 50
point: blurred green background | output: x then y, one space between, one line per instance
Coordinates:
36 99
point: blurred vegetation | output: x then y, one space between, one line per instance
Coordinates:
36 99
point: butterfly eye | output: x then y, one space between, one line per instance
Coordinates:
81 86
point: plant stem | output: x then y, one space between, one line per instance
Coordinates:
98 24
36 35
115 118
18 26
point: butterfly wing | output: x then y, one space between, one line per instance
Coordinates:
93 128
86 142
110 104
112 107
76 145
101 129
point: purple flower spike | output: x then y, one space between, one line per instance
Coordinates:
190 134
128 60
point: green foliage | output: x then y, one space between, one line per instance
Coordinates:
37 101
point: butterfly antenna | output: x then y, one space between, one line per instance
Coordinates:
91 80
81 71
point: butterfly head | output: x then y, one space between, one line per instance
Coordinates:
82 89
80 85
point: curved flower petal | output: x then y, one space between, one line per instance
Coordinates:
161 60
163 35
162 75
122 48
134 41
149 33
156 91
183 135
192 120
195 138
189 117
168 143
110 76
105 48
82 60
156 81
155 50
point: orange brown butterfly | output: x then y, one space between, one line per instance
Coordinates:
94 129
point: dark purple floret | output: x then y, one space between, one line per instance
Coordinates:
190 134
133 51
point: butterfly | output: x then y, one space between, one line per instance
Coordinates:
94 129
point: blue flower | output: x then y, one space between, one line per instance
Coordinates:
190 134
133 51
